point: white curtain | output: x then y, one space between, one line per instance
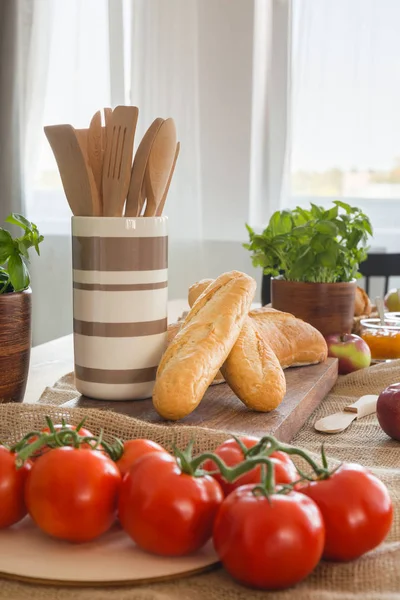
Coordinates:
164 82
271 114
35 18
25 35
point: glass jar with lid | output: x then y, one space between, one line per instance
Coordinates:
382 339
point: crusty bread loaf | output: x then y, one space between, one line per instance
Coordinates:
295 342
206 338
362 305
252 370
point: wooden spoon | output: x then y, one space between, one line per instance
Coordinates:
95 150
77 178
136 193
160 207
118 159
159 165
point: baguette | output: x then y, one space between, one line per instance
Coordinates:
172 331
206 338
252 370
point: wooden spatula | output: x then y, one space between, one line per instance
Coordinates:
82 135
77 179
95 150
160 207
159 165
338 422
136 196
118 159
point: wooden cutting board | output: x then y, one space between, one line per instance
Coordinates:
221 409
27 554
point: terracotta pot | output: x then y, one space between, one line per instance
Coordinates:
15 344
329 307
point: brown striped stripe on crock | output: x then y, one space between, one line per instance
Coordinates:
120 287
115 376
120 329
119 254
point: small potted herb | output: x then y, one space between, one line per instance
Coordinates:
15 307
313 257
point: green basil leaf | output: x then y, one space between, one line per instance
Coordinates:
23 248
18 273
343 205
19 220
6 245
328 258
327 228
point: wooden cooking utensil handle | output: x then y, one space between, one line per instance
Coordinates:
136 197
160 207
95 150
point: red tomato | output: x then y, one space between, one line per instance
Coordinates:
231 454
133 449
12 486
72 494
165 511
356 508
268 543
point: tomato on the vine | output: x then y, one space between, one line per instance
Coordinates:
231 454
164 510
268 543
12 487
134 449
356 508
72 493
82 431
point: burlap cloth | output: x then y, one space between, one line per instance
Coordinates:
376 576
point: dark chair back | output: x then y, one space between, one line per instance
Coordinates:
380 265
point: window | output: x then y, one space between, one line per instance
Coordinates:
346 98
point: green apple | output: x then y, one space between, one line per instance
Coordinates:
392 300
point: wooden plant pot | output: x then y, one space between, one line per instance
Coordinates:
329 307
15 344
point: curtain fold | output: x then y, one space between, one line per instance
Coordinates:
164 82
10 113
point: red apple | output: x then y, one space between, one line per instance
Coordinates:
351 350
388 410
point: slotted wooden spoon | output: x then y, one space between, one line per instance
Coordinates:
160 207
118 159
136 193
159 165
77 179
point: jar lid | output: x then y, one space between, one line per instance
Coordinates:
391 323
